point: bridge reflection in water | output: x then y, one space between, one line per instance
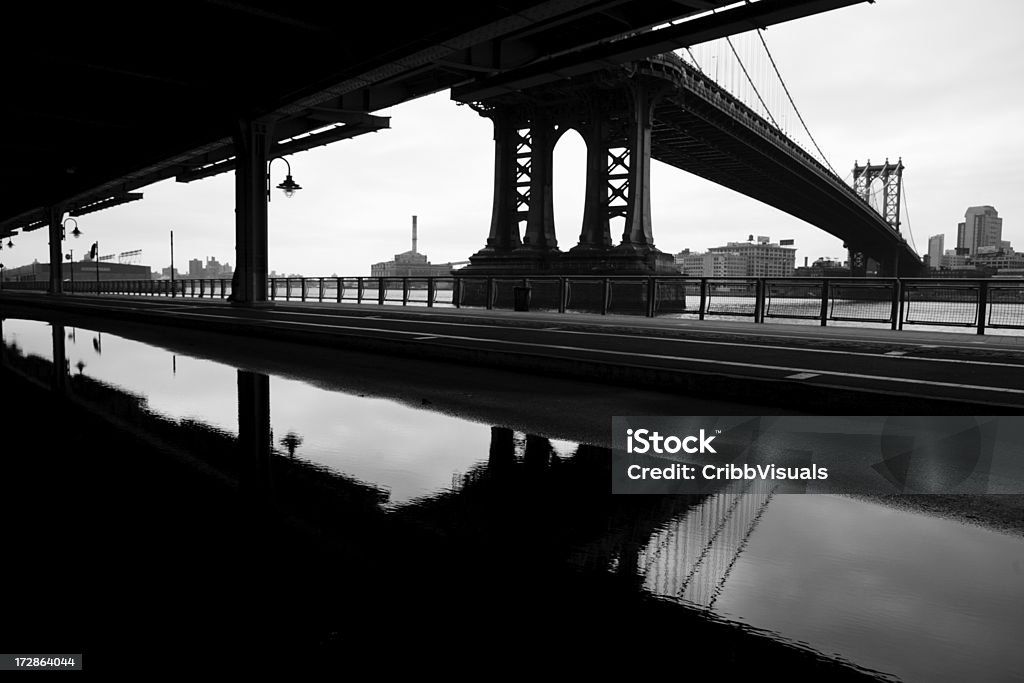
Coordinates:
497 525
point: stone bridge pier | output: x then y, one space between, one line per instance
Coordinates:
614 117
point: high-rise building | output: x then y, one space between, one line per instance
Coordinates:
982 227
936 247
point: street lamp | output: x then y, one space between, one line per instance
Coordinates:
76 233
288 186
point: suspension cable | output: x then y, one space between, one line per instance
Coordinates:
751 82
797 111
694 58
906 209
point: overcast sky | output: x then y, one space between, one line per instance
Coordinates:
938 82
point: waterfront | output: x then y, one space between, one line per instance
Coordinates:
873 585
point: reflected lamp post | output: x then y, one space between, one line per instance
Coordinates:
291 442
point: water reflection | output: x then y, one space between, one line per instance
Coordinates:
920 597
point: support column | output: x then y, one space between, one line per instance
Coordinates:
501 459
54 215
638 231
858 260
596 230
540 221
60 359
254 441
253 140
504 233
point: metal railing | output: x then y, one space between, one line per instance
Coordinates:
973 303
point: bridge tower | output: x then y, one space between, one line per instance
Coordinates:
613 112
891 176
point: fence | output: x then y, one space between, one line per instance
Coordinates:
979 304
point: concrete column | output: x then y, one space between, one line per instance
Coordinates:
540 222
504 218
501 458
253 141
54 215
596 231
638 216
254 440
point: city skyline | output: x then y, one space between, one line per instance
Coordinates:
437 159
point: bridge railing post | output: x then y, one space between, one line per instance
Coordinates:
304 284
606 295
903 303
703 297
382 290
457 292
652 296
430 292
896 308
563 293
759 286
825 291
320 291
490 293
982 305
359 290
405 291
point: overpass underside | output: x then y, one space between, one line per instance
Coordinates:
665 109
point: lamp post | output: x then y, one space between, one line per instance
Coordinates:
172 263
76 233
288 186
70 256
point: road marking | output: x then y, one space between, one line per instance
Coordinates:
429 336
895 353
803 375
865 337
551 329
639 337
701 361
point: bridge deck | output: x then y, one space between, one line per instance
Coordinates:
847 370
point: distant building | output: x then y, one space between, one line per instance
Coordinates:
824 267
982 227
80 271
936 245
708 264
998 260
953 260
411 264
739 259
212 270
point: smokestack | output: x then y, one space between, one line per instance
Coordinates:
805 261
414 234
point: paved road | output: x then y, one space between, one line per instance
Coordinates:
791 360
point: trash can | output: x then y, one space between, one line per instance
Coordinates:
521 298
